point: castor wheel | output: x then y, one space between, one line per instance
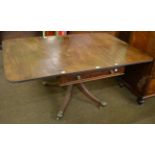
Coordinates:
140 101
60 114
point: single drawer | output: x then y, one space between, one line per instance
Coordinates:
90 76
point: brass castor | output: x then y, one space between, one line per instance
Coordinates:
140 100
60 114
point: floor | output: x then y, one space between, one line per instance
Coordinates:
32 102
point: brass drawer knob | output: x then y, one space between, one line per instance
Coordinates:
112 71
116 70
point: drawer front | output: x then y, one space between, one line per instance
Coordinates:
150 89
90 76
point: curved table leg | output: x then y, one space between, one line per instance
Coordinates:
67 99
87 93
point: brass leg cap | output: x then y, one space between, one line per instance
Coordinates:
104 104
60 115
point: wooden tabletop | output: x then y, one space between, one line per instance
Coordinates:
32 58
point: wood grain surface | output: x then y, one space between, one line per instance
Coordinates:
36 57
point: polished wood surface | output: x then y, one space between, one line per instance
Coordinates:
114 33
36 57
19 34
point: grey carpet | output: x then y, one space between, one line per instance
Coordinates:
31 102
